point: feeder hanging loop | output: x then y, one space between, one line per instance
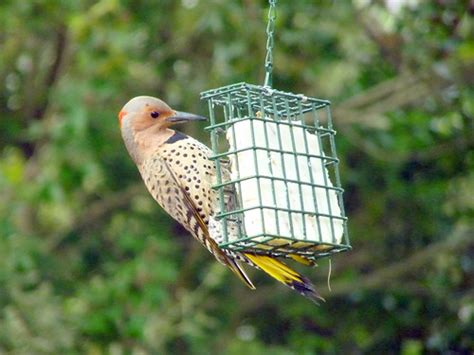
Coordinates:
270 42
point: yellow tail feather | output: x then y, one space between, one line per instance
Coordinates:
302 260
284 274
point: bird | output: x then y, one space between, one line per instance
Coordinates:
179 174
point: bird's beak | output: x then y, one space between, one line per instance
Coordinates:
179 117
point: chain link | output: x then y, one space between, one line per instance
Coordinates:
270 43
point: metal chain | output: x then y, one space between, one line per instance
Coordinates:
270 42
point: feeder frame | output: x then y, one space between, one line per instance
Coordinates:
242 101
246 102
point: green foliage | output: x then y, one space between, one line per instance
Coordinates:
90 264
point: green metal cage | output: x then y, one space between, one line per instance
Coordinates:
277 173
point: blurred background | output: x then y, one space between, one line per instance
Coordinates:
90 264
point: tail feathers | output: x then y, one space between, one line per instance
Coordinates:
237 270
302 260
281 272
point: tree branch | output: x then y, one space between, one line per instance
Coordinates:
459 240
368 108
97 212
39 110
53 75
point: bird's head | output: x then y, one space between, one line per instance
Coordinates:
143 112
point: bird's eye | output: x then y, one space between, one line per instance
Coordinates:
154 114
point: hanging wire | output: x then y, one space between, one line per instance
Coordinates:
270 42
329 275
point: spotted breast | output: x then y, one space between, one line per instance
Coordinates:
179 176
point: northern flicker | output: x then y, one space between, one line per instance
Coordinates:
179 174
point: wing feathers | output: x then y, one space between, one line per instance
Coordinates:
208 242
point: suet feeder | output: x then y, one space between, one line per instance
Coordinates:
283 191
